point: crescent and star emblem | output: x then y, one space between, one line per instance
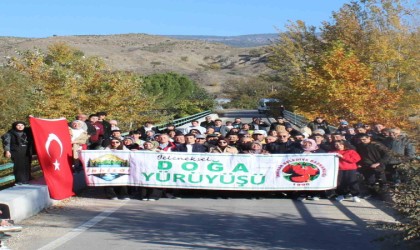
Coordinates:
54 137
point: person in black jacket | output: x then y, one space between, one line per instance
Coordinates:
283 145
190 145
107 126
18 145
319 123
374 156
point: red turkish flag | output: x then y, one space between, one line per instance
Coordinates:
53 146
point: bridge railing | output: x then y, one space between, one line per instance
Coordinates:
300 120
295 119
182 121
6 170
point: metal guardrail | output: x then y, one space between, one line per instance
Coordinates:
295 119
6 177
300 120
6 174
184 120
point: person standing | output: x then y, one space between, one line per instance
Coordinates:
375 157
319 123
18 145
107 126
347 174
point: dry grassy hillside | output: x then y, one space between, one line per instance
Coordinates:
210 64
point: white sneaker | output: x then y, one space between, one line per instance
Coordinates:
152 200
114 198
356 199
125 199
11 228
301 198
340 198
315 198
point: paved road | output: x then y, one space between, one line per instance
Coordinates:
90 221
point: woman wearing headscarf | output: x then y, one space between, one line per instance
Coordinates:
18 145
256 148
308 146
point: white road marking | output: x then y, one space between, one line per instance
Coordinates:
75 232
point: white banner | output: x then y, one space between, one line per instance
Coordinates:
210 171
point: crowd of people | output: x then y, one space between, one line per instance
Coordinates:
372 152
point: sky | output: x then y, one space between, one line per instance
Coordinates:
45 18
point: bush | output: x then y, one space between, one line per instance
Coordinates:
406 200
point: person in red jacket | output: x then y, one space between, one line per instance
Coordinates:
347 174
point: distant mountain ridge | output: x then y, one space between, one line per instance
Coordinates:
243 41
208 60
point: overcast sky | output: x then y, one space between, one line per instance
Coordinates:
44 18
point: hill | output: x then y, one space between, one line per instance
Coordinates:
254 40
210 64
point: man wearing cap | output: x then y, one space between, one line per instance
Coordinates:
259 135
342 127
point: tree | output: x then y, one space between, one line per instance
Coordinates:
342 87
173 92
295 51
15 100
245 93
65 83
374 36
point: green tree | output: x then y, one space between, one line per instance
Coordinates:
245 93
173 91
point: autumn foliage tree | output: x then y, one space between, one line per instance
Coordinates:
342 87
362 65
65 83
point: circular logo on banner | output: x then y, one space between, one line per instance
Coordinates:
299 171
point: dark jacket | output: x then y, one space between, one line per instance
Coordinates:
281 147
13 140
372 153
196 148
314 125
143 132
